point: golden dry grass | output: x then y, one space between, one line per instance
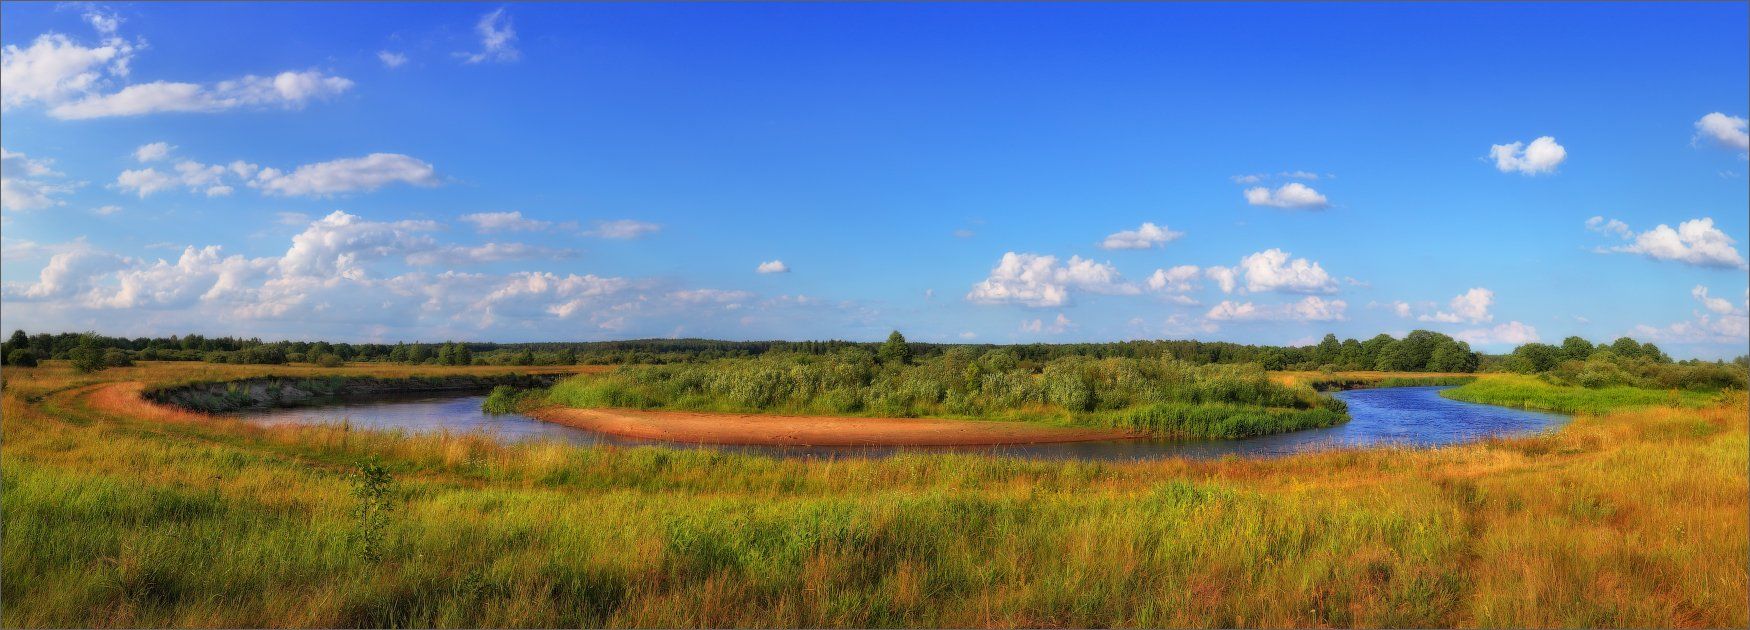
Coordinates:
120 513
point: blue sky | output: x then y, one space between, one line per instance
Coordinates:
984 172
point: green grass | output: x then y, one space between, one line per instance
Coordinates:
117 514
1162 398
1528 392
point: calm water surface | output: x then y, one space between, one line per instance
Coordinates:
1412 416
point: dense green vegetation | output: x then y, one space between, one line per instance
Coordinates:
1419 351
1159 396
1528 392
118 513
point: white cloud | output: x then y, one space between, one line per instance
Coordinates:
1612 227
287 90
772 266
1723 130
1472 306
153 152
710 296
1247 179
1057 326
1274 270
1696 242
1144 237
144 182
54 69
346 175
1717 305
486 253
623 229
1311 308
1720 322
1038 280
391 59
1401 308
1294 195
497 39
27 184
1542 156
1510 333
104 211
68 273
1306 175
105 24
1180 279
337 245
504 221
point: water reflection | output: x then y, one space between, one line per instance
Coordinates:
1411 416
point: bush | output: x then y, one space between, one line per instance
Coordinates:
21 358
86 359
329 361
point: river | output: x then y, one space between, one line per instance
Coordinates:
1411 416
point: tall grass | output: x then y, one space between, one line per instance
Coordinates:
1164 397
1530 392
118 513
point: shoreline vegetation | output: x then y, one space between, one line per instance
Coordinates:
120 512
1160 398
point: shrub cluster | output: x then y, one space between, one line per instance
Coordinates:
1160 396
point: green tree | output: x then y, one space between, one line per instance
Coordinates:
1576 348
1329 350
895 351
86 358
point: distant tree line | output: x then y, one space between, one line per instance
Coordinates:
1418 351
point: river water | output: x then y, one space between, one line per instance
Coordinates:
1410 416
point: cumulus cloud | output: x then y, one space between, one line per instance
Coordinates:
1040 281
486 253
772 266
30 184
1180 279
622 229
1511 333
1471 306
346 175
504 222
1542 156
1293 195
1695 242
73 80
497 39
1718 321
391 59
1273 270
1056 326
1311 308
1722 130
339 280
54 68
1144 237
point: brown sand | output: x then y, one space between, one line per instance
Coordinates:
734 428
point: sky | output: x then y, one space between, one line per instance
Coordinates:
992 173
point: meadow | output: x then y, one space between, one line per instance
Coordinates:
1161 397
122 513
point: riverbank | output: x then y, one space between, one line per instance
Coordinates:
772 430
120 513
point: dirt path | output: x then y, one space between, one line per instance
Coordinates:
735 428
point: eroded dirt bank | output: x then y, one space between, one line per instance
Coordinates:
770 430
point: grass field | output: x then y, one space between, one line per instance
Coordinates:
1529 392
118 513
